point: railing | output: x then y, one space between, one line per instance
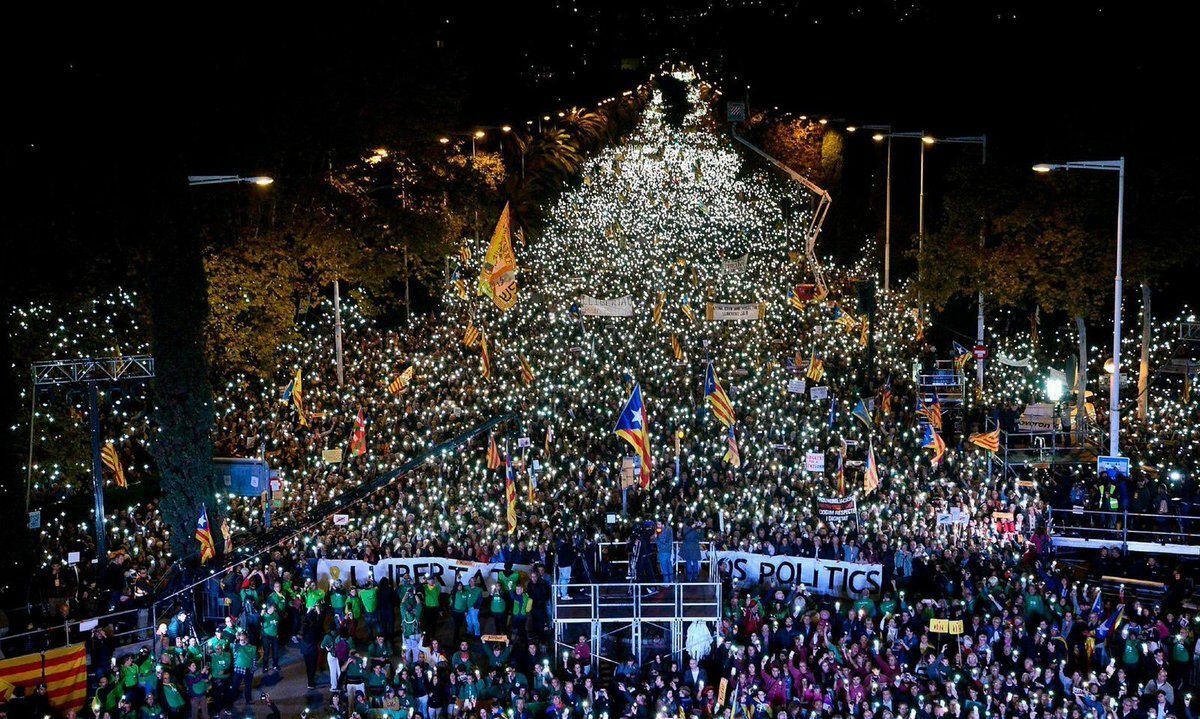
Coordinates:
616 554
1131 530
129 626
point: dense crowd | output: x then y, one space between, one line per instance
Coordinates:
657 219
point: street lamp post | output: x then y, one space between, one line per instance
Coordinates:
980 140
1114 396
885 133
260 180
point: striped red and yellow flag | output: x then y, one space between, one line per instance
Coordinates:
986 440
687 312
527 375
485 358
464 254
493 454
471 336
658 308
111 460
398 385
676 347
64 672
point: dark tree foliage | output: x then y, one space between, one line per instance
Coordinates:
183 446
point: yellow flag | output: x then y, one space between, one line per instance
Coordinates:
498 276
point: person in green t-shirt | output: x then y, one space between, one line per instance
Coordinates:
244 656
473 600
369 596
497 609
220 666
431 595
151 709
270 638
172 696
198 684
313 595
458 608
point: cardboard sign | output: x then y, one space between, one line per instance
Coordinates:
946 626
501 638
332 456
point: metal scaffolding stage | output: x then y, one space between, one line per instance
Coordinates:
623 620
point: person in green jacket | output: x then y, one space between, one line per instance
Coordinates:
147 670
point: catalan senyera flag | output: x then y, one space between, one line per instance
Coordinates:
110 458
498 276
816 368
510 496
870 471
358 440
732 456
527 375
204 536
658 308
64 672
471 335
298 397
934 441
464 254
676 347
485 358
632 427
493 454
986 440
717 399
401 381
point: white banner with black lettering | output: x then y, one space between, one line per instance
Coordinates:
445 571
736 313
735 267
821 576
619 307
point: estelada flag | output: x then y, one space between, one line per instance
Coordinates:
498 276
204 536
493 454
64 672
632 426
110 458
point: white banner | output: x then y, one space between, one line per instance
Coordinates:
737 313
1037 417
619 307
735 267
446 571
814 462
821 576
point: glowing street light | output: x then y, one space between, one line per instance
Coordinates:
197 180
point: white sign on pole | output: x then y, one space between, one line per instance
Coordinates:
819 392
523 442
341 520
1118 465
73 557
814 462
795 386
